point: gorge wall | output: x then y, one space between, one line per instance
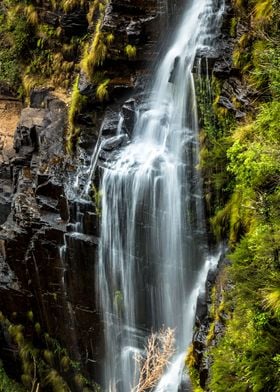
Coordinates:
42 292
47 295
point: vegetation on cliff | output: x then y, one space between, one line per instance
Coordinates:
241 162
36 47
42 363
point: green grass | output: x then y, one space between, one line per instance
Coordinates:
130 51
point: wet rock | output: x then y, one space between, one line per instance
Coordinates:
114 142
91 223
110 123
133 6
205 60
129 115
174 69
108 156
85 119
6 192
204 371
201 307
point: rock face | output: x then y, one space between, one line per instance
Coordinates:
35 271
45 264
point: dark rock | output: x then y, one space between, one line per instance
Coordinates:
47 203
108 156
50 189
129 115
114 142
174 69
37 97
201 307
85 86
50 18
226 103
85 119
91 223
110 123
205 60
204 372
63 208
74 23
133 32
26 139
7 91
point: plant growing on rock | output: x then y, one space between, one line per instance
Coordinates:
159 350
76 104
102 91
130 51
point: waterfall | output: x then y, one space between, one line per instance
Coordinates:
153 255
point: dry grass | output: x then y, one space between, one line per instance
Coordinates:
159 350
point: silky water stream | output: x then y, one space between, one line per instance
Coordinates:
153 259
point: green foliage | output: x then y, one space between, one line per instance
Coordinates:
76 104
247 357
95 54
271 300
8 385
35 53
263 11
214 142
15 38
43 361
130 51
190 364
68 5
244 358
102 91
97 199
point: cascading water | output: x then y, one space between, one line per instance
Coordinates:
153 242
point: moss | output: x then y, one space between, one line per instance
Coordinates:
97 198
76 104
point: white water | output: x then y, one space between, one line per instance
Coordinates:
153 255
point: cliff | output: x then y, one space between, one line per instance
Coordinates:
75 66
49 305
